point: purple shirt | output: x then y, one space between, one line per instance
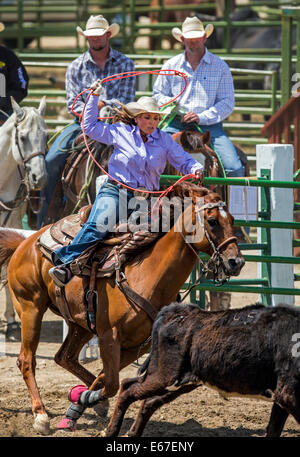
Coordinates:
133 162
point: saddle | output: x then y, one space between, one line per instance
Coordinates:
104 259
114 251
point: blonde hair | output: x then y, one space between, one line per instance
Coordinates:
124 115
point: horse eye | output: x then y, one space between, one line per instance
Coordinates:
212 222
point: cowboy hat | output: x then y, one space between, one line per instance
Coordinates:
2 26
98 26
192 27
143 105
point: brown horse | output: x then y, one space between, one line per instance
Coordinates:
157 274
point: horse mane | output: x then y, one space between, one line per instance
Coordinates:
181 190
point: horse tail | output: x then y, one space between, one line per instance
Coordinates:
9 241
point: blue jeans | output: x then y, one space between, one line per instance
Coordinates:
220 142
55 163
109 207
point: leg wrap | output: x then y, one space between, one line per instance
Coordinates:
74 412
90 398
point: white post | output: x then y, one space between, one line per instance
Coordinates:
279 159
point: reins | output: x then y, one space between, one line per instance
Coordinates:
211 266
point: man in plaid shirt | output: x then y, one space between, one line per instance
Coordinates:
209 95
98 62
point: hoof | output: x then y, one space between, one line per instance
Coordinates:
67 424
102 433
102 408
75 392
42 424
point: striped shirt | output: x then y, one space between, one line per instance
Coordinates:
133 162
209 92
83 71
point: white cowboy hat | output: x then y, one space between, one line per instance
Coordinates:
2 26
192 27
143 105
97 26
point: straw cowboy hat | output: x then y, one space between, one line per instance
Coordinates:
2 26
143 105
192 27
97 26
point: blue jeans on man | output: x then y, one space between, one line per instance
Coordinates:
220 142
55 162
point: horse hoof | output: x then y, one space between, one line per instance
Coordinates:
102 408
42 424
67 424
102 433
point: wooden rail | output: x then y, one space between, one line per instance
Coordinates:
284 126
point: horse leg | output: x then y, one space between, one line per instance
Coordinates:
110 354
68 353
112 364
31 320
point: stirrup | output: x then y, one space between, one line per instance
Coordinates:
61 275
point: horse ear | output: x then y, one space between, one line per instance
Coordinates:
206 137
20 113
42 107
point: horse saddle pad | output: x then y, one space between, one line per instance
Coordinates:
114 251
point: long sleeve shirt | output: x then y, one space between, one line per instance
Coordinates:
83 71
133 162
209 92
13 79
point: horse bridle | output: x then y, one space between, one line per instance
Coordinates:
213 267
24 190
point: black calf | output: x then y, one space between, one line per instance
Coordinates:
248 351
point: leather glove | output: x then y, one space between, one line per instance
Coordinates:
96 87
199 176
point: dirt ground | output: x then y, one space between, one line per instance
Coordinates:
202 413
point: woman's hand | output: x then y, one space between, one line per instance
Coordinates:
96 87
199 176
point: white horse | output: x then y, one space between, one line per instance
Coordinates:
22 150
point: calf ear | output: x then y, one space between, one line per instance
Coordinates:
20 113
42 107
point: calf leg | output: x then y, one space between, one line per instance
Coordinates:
277 420
138 389
150 405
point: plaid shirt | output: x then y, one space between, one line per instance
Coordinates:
209 92
83 71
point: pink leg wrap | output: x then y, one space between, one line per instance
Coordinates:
67 424
75 392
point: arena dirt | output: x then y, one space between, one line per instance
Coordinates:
202 413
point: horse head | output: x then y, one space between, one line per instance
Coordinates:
208 227
29 142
